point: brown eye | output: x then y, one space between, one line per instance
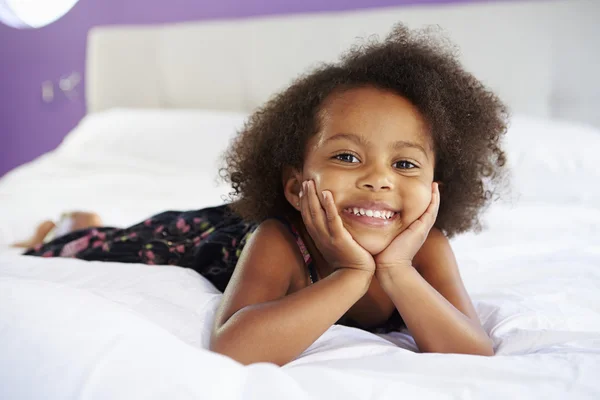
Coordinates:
346 157
404 165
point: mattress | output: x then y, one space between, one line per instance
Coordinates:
71 329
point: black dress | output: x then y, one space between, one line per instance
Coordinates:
208 241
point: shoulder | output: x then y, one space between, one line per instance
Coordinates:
264 271
435 238
436 246
276 235
271 251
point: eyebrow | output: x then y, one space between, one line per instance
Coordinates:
361 141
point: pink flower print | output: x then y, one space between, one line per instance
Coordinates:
233 242
150 255
94 232
197 220
197 241
105 247
132 235
49 253
148 222
75 246
182 226
38 247
101 235
180 248
159 229
97 243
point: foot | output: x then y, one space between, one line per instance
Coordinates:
69 222
38 237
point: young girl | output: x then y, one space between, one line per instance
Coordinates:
347 186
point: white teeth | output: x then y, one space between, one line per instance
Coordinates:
371 213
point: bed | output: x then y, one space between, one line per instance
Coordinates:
151 141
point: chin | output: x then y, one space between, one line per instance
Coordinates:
374 243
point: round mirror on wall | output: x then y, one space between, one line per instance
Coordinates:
33 13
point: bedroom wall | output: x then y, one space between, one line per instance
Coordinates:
30 127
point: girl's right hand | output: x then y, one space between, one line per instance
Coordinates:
325 226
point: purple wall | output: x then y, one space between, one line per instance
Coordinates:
29 127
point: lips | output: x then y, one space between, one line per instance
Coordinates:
371 213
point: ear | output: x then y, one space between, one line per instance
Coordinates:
292 184
440 185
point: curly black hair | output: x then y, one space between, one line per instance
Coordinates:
465 119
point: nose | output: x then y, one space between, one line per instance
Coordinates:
376 179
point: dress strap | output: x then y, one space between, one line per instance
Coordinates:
305 254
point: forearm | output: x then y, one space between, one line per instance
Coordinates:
279 331
435 324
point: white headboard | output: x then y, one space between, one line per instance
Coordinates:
540 56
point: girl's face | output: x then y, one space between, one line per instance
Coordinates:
375 156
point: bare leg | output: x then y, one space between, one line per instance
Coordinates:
79 220
83 220
38 237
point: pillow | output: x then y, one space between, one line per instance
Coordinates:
553 161
162 141
125 165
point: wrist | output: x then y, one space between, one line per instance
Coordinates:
391 272
361 278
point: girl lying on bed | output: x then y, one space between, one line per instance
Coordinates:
347 186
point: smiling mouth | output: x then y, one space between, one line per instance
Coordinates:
384 215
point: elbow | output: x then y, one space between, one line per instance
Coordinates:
220 346
483 347
244 354
486 348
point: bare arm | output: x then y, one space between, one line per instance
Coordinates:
257 322
434 303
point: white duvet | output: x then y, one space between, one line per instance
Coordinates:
71 329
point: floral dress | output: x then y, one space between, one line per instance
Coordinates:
208 241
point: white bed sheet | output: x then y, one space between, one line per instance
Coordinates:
71 329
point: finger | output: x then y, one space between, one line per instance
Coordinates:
305 210
425 222
334 220
430 215
434 205
317 212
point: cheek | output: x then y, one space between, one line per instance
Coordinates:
325 181
416 202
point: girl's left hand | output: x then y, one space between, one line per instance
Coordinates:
403 248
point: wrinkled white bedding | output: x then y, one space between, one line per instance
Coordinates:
71 329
